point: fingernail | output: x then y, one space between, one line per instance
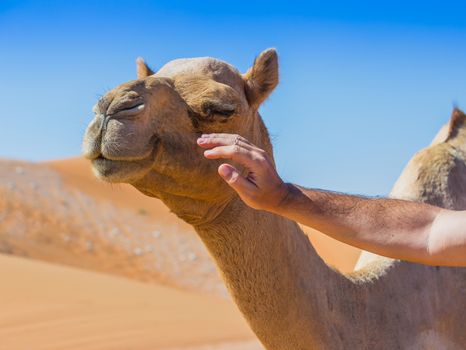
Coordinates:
201 140
208 152
205 135
226 172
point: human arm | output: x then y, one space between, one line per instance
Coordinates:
399 229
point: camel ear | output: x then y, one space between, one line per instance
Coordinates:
262 77
457 122
142 69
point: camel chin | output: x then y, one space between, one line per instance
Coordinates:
121 171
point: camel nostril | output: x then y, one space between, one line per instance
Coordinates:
104 122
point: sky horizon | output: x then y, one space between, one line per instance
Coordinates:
362 86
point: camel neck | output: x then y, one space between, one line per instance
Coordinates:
258 252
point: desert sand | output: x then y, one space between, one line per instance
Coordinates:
46 306
88 265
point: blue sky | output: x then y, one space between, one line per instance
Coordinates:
364 85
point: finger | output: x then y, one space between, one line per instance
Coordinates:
223 141
236 153
232 177
222 137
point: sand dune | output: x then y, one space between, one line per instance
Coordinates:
45 306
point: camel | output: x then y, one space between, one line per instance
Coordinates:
144 133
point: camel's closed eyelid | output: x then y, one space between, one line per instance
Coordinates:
211 108
129 111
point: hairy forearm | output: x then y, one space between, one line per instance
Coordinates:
394 228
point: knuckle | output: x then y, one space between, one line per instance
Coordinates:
236 149
259 158
242 139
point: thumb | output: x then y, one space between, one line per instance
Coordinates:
232 177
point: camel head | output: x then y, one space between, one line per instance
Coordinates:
437 174
144 131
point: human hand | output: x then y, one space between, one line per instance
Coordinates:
261 188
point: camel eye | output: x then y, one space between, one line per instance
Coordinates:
126 106
130 110
212 108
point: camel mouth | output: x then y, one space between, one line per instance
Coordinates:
123 170
120 171
101 160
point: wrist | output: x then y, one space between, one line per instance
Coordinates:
289 193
